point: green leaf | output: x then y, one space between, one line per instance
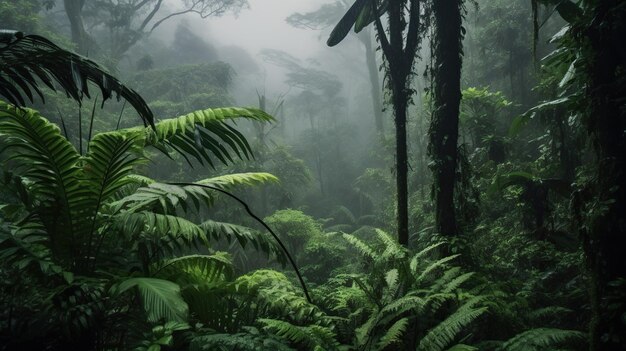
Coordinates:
541 339
160 298
569 11
28 61
347 21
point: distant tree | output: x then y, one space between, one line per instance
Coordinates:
188 47
399 43
20 15
129 21
317 101
329 14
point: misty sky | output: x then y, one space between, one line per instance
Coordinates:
262 26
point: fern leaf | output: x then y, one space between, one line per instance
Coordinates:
244 341
462 347
206 130
309 337
541 339
165 232
244 236
166 198
442 335
196 269
393 334
362 247
160 298
50 162
433 266
424 252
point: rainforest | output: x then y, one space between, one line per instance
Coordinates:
429 175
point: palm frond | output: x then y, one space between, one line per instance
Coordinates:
28 60
160 298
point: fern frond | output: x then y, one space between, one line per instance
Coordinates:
206 130
433 266
548 312
413 265
462 347
165 232
362 247
393 250
443 334
108 164
160 298
393 334
541 339
456 282
405 303
244 341
229 181
196 269
307 337
166 198
244 236
50 163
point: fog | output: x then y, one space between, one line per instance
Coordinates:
444 177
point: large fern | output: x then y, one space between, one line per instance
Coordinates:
202 134
160 298
541 339
404 297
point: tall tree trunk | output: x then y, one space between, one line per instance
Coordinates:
605 241
74 11
372 68
400 108
444 129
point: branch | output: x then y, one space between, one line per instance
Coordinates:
412 37
222 8
151 15
384 42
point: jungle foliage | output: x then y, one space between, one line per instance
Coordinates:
482 209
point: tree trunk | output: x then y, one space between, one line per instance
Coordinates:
605 241
74 11
372 68
444 129
400 109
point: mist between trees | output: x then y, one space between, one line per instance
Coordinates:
312 175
